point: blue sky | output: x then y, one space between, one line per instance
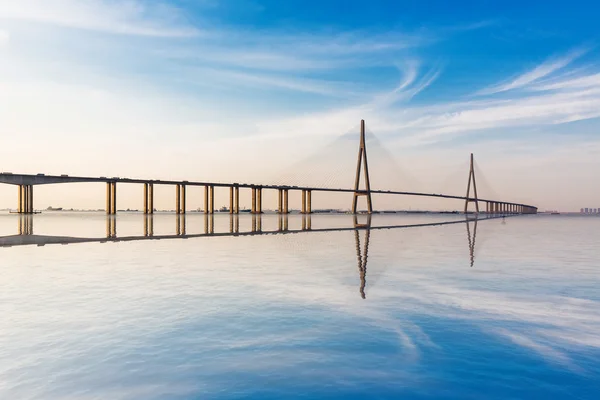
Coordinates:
518 83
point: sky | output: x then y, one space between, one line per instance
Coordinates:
257 91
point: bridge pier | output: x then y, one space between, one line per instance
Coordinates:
205 199
212 199
180 205
259 201
111 198
253 209
148 198
280 201
303 201
231 200
237 199
286 209
25 205
306 201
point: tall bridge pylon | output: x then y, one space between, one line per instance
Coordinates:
471 199
362 157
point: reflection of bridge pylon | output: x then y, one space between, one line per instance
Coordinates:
472 239
362 157
362 254
474 199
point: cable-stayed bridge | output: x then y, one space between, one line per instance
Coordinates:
26 182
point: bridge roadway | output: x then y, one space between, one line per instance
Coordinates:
42 179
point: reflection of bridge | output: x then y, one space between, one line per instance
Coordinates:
26 183
26 236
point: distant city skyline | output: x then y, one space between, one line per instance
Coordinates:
242 91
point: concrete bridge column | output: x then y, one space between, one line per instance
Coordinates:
259 202
151 198
111 198
303 201
20 204
253 210
212 199
205 199
309 203
286 209
231 203
114 198
280 201
183 199
30 199
237 199
145 199
178 199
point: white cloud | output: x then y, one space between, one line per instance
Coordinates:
548 67
131 17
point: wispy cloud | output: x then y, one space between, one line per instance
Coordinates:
131 17
546 68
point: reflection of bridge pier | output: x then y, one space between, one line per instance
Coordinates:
180 227
306 222
25 225
111 226
209 224
148 225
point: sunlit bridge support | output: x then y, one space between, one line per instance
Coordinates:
148 198
231 200
253 209
177 199
303 202
111 198
212 199
362 158
286 209
25 205
259 200
237 199
280 201
205 199
25 199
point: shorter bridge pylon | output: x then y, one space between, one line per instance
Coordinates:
362 157
471 199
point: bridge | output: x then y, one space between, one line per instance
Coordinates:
26 182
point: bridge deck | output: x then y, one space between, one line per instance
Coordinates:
40 179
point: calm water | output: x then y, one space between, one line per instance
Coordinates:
513 312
